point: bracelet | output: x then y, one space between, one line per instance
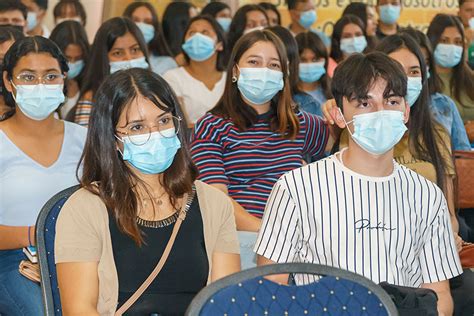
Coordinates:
29 238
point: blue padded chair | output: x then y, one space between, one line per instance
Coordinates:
337 292
45 235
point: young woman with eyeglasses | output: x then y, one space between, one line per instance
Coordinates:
39 156
138 180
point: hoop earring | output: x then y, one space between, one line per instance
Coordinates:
234 79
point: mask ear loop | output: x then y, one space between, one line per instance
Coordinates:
13 95
345 122
122 141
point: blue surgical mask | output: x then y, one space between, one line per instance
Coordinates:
75 69
127 64
377 132
311 72
308 18
199 47
353 45
448 55
414 86
224 23
259 85
38 101
148 31
156 152
389 14
31 20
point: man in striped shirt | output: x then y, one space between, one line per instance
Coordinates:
359 210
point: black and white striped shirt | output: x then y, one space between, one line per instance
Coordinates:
393 228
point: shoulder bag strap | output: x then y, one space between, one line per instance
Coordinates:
162 260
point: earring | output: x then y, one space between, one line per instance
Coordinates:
234 79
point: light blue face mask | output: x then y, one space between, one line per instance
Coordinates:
31 20
389 14
148 31
199 47
308 18
377 132
414 86
259 85
311 72
471 23
127 64
75 69
224 23
353 45
38 101
155 155
448 55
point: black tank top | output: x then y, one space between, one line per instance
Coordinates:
184 274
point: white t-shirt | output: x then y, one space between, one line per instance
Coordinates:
393 228
68 105
197 98
25 185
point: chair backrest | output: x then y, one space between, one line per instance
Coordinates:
337 292
45 235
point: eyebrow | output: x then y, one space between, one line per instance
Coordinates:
141 120
35 70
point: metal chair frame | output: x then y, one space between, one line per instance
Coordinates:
46 288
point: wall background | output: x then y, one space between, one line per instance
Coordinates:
416 13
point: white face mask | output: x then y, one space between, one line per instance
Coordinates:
127 64
61 20
258 28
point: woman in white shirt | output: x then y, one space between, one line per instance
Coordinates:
199 84
38 158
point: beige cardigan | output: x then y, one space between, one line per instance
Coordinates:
82 235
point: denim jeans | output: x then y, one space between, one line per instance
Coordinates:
248 258
18 295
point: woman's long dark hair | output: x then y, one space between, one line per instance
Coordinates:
158 45
220 63
239 22
213 8
425 142
462 79
309 40
21 48
336 52
103 164
271 7
232 106
175 19
98 66
62 5
72 33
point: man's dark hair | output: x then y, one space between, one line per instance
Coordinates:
293 3
13 5
354 77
